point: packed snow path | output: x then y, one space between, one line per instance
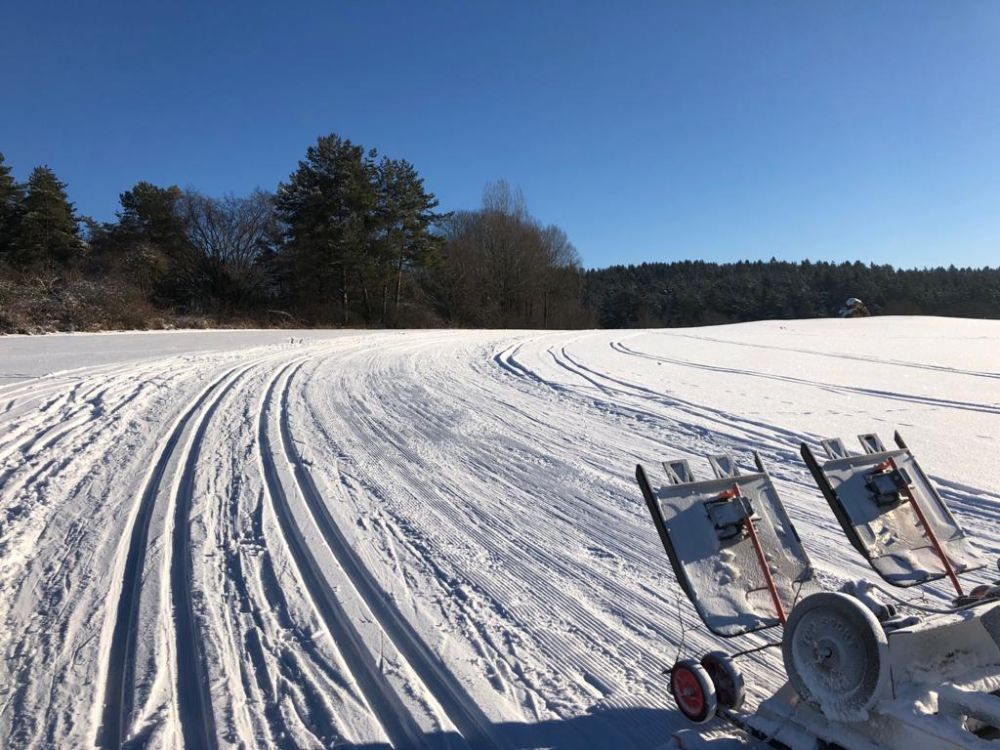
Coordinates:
417 539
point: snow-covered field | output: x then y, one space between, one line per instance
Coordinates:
417 539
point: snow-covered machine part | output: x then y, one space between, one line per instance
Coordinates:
934 686
862 675
730 542
836 655
892 513
856 683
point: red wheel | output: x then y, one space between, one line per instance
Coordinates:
980 591
730 690
693 691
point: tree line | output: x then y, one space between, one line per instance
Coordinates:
351 238
691 293
354 238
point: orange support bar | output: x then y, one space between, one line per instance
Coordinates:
930 533
735 491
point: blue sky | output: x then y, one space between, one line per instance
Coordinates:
648 131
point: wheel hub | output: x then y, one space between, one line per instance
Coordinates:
835 654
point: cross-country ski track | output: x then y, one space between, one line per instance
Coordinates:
419 539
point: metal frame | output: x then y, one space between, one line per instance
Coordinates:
873 446
675 470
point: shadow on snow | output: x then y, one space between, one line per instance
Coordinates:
599 729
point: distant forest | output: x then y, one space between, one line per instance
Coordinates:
353 238
698 293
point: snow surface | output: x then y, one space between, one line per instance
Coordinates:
419 539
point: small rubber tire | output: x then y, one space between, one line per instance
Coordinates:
693 691
980 591
730 688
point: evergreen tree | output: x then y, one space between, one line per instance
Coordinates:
48 234
11 209
147 243
406 215
698 293
327 207
149 213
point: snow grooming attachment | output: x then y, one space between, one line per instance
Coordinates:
860 676
738 558
891 512
731 545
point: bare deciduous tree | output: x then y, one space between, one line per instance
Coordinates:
502 268
227 237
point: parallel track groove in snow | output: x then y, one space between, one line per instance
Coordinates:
831 387
194 703
460 708
451 499
399 725
120 660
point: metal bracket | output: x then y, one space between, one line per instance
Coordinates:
678 472
889 485
723 466
834 448
728 514
871 443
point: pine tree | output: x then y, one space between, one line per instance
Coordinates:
48 234
406 215
327 206
148 242
150 213
11 208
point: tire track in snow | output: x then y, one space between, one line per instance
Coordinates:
459 706
120 669
400 727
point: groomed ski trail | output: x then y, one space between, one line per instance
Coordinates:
119 670
421 539
458 706
400 728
